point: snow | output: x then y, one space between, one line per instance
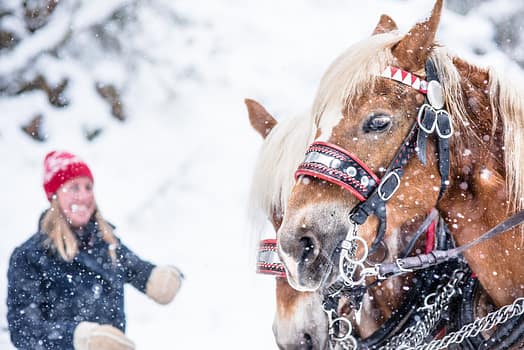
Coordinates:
174 178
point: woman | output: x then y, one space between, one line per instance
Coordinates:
66 283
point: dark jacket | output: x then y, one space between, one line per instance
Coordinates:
48 297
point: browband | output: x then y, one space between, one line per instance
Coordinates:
406 78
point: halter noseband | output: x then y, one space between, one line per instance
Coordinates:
336 165
268 262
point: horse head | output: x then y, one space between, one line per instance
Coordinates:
363 115
300 322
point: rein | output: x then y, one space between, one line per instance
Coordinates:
436 257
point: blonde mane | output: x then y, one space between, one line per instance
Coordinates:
507 98
351 74
507 105
281 153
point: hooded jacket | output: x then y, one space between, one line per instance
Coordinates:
48 296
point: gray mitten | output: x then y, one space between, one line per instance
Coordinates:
163 284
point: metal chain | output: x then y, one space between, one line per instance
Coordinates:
412 338
435 303
489 321
348 264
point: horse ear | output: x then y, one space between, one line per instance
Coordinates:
413 50
259 118
385 24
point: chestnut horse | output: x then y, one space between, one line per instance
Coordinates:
300 321
360 188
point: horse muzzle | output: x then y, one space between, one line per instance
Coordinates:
307 249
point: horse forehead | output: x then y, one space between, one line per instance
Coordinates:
383 93
330 119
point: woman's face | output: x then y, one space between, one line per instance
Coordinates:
77 200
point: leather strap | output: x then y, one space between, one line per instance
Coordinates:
436 257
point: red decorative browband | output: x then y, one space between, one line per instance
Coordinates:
334 164
405 77
268 262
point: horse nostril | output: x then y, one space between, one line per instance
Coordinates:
307 245
307 342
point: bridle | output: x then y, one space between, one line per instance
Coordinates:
336 165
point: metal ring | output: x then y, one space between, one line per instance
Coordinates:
427 299
383 181
364 246
399 264
363 276
348 333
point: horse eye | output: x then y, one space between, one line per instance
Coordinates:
377 123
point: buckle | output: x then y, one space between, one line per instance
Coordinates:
386 196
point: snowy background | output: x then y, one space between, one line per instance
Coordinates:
150 94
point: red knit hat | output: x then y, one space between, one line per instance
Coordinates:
59 167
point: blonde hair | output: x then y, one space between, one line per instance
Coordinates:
63 240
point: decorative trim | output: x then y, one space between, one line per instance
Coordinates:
334 164
406 78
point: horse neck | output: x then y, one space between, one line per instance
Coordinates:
476 198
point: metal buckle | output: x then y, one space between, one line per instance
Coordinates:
419 119
386 178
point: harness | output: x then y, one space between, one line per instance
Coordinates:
441 274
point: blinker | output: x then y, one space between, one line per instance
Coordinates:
435 94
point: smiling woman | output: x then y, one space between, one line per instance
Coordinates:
66 283
77 201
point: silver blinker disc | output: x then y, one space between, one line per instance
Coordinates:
435 94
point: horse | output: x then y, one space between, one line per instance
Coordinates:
300 321
399 127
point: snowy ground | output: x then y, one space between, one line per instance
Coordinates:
175 177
